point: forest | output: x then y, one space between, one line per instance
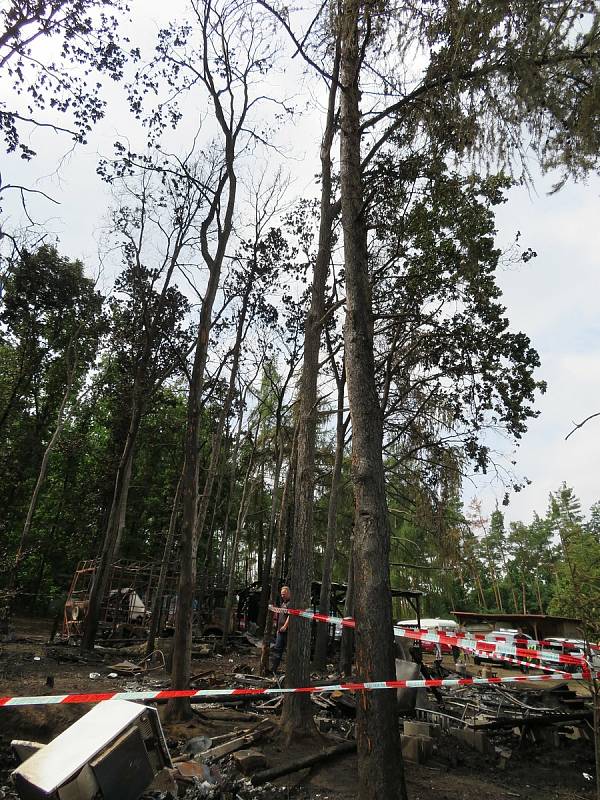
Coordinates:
256 384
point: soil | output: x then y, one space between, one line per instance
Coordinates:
532 770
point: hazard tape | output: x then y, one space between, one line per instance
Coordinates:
473 643
191 694
517 662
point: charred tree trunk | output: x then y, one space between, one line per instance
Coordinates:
297 716
320 656
380 767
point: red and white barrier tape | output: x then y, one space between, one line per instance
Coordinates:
171 694
517 662
477 645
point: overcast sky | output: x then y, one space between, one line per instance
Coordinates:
553 298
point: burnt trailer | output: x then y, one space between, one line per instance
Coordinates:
128 602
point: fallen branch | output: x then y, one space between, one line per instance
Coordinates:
308 761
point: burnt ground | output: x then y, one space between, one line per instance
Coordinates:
526 770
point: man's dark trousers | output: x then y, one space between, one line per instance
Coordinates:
278 649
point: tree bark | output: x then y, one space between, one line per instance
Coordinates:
297 712
380 766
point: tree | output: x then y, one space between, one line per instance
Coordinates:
52 322
380 770
448 364
577 591
259 261
51 56
511 81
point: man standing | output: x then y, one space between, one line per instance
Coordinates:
283 620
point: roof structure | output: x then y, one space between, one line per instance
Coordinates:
501 617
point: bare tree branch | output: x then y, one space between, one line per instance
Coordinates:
581 424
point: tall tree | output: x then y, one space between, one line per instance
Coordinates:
380 769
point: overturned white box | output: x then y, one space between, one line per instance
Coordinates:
113 752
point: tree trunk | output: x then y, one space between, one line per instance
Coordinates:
164 569
539 594
208 576
320 656
297 712
260 537
223 196
380 766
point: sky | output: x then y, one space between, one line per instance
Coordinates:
553 298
